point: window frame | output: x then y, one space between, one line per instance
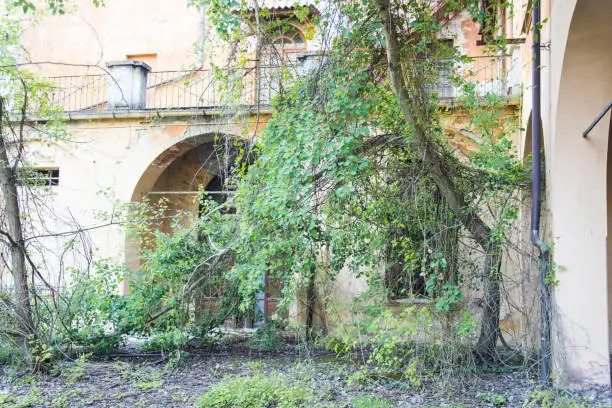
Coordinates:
287 35
40 177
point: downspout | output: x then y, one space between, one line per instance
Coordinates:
536 204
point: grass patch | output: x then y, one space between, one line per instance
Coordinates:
371 402
258 391
541 398
148 385
33 399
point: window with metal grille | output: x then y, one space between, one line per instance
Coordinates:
41 177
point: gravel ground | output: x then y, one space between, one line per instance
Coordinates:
135 379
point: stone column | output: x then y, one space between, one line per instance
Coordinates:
127 87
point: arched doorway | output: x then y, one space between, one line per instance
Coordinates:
175 177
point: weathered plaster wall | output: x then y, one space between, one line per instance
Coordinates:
576 84
109 160
90 35
578 190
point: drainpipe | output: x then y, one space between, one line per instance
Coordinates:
536 203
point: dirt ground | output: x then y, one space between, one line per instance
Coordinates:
135 379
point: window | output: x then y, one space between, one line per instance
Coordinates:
285 41
278 54
290 40
421 252
405 256
41 177
444 70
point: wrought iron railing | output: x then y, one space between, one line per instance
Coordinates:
79 93
195 89
206 89
497 75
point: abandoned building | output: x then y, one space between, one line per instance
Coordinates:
144 112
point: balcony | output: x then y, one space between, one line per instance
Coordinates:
130 85
496 75
164 90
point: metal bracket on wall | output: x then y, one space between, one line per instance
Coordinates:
597 119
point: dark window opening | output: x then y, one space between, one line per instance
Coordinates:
405 257
422 257
403 283
216 190
490 17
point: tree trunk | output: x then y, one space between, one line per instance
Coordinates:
489 327
441 172
310 297
8 186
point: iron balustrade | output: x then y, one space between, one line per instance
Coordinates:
210 89
498 75
597 119
79 93
194 89
204 89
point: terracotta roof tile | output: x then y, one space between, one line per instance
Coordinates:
283 4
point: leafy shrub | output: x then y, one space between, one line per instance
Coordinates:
33 399
10 354
78 372
340 346
495 399
164 299
258 391
268 337
547 398
173 339
388 343
92 311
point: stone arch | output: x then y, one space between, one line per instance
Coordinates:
202 147
577 170
178 173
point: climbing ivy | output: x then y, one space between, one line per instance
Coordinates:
341 182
